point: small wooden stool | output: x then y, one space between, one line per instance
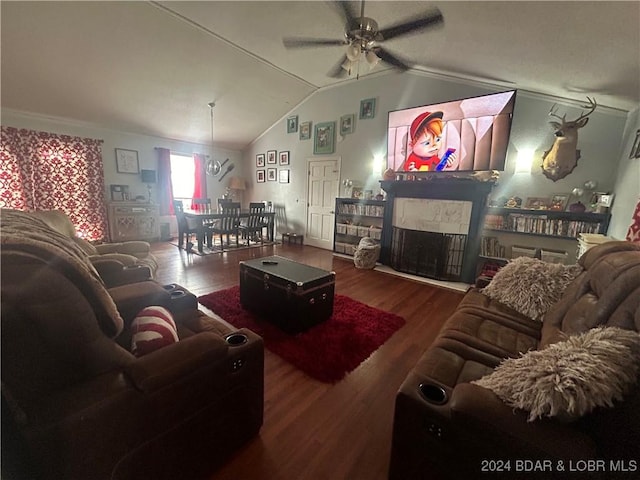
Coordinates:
290 236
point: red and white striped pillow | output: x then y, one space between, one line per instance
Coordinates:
153 328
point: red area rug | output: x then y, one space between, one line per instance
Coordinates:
327 351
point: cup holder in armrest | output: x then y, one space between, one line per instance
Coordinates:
236 339
180 300
433 393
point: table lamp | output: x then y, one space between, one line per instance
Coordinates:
148 177
236 184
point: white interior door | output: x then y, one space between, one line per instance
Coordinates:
322 191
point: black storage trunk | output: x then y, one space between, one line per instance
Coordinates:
289 294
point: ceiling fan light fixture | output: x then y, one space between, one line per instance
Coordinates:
346 65
353 51
372 58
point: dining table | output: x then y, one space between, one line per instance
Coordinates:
200 216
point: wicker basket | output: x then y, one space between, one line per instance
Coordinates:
367 253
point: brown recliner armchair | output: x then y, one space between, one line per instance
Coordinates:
76 404
117 263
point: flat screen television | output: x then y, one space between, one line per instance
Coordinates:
471 134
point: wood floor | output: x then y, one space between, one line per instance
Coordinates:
313 430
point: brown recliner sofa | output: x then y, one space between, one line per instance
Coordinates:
117 263
76 404
447 427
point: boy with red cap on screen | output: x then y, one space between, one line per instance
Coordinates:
426 136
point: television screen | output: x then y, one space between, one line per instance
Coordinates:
471 134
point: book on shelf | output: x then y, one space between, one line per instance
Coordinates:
491 247
540 224
361 209
495 222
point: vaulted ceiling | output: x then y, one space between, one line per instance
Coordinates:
153 67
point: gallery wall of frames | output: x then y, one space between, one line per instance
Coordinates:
273 165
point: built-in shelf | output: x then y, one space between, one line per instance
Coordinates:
560 237
545 223
355 219
547 234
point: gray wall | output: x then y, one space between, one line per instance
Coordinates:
599 140
627 185
605 143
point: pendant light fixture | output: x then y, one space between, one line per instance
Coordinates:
212 167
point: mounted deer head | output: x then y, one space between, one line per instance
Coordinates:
560 160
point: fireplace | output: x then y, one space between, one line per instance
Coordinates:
432 227
428 254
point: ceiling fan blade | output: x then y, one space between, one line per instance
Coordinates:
392 59
346 11
302 42
337 71
431 19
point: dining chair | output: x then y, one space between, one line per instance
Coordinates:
229 223
222 201
186 226
202 201
269 222
205 204
255 222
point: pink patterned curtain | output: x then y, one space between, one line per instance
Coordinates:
47 171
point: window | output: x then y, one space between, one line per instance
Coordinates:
182 174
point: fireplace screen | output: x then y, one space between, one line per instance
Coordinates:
428 254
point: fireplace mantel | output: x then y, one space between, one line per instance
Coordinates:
468 190
449 189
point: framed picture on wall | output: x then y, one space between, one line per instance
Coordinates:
260 160
284 175
347 123
271 174
305 131
127 161
324 138
635 148
260 176
119 193
271 157
537 203
284 158
368 108
559 202
292 124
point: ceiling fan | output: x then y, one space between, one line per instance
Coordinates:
362 37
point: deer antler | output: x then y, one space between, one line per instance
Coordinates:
552 113
592 106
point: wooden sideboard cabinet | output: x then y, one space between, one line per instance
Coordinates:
133 221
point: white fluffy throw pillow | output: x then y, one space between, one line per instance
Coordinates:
569 379
531 286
